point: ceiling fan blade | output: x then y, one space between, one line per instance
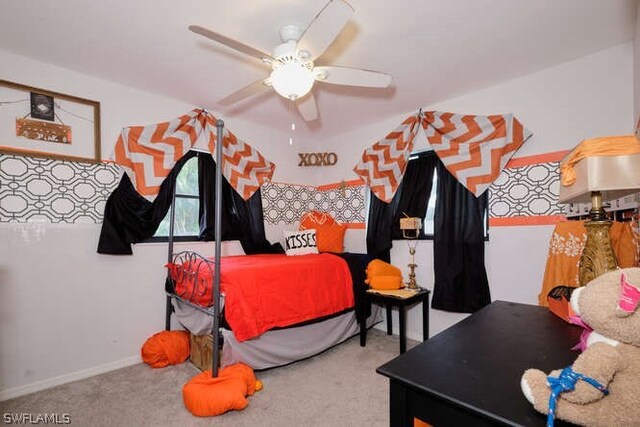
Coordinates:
233 44
351 76
325 27
245 92
308 108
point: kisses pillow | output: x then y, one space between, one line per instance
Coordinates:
300 242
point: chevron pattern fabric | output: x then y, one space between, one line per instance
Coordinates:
243 166
148 153
383 164
474 149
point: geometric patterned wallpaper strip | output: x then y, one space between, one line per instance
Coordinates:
36 189
285 203
526 191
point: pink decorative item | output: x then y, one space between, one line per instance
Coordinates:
629 296
582 344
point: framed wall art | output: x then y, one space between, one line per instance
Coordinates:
41 123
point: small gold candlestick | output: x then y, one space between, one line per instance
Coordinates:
411 284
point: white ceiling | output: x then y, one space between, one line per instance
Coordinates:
434 49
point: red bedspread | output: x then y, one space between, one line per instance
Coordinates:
267 291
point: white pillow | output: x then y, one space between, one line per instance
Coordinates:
300 242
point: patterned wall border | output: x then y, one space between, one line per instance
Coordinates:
34 189
526 192
47 190
284 203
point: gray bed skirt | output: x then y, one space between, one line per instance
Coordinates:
281 346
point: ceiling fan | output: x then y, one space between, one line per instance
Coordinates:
293 72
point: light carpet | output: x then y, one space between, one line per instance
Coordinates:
336 388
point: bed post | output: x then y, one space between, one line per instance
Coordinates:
169 308
215 359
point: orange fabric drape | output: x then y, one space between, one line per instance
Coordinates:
385 282
383 276
205 396
605 146
166 348
565 250
625 244
378 267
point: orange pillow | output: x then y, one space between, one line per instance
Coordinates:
166 348
312 218
378 267
330 238
329 234
385 282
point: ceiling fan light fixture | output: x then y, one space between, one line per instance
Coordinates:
292 80
293 72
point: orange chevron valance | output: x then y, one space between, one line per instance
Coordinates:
148 153
474 149
383 164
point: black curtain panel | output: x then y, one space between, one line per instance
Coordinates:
241 219
379 227
461 283
417 184
411 198
130 218
207 191
249 221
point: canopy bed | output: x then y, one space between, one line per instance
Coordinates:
151 157
268 308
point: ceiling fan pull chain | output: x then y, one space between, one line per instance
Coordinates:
293 125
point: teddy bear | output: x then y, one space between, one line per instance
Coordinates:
602 387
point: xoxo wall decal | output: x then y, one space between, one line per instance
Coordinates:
318 159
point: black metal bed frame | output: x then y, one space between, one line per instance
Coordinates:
194 262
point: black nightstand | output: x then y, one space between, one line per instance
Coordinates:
389 302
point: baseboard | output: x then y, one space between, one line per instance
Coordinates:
63 379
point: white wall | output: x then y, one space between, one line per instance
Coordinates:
587 97
65 311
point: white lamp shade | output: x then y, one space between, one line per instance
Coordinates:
613 176
292 80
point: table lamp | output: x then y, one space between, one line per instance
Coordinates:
600 176
410 227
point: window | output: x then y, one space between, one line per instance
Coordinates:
187 205
427 225
428 222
